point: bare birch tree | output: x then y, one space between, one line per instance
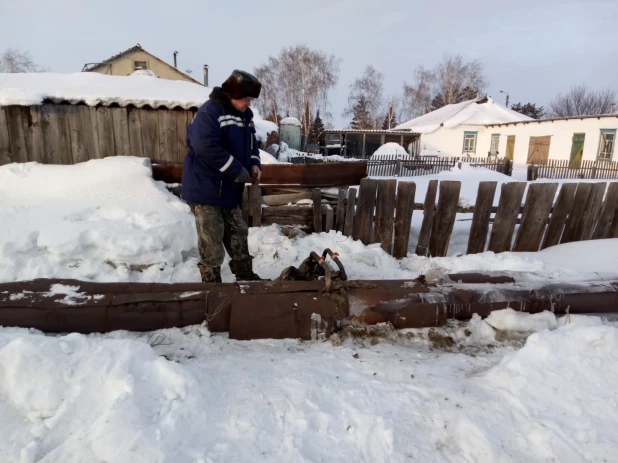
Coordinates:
370 87
582 101
13 60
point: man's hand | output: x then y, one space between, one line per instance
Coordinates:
256 172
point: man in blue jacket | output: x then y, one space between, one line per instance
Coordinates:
223 153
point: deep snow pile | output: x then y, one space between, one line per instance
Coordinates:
194 397
390 151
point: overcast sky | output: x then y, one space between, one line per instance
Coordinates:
532 49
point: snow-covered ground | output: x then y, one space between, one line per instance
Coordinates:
476 391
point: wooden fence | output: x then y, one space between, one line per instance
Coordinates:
564 168
381 212
390 166
68 134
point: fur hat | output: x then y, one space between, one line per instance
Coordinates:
241 84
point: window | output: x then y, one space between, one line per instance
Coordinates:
606 145
140 65
493 148
469 146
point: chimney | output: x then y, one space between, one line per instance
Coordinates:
175 64
205 75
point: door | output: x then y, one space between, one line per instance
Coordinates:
577 148
510 147
538 152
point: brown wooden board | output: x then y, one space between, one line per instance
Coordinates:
314 175
329 220
539 201
608 212
574 227
385 211
246 204
593 210
363 222
17 120
95 152
506 218
559 215
6 156
348 228
317 210
422 247
181 135
121 131
135 132
34 135
82 141
56 134
149 119
480 219
444 218
105 127
255 198
403 218
340 222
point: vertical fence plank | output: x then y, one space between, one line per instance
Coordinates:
574 228
6 156
340 222
17 120
385 211
328 226
537 208
95 152
348 228
34 134
363 222
56 134
105 128
255 199
316 195
149 120
81 133
121 131
480 219
403 218
506 217
422 247
135 132
562 208
608 212
246 204
181 135
444 218
593 209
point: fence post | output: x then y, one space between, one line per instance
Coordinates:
594 171
398 168
459 165
529 177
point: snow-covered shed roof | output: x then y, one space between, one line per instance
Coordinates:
479 111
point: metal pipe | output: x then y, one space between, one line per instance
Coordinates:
175 64
205 75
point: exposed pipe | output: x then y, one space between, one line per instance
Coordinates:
205 75
175 64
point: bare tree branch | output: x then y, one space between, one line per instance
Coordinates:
370 87
13 61
582 101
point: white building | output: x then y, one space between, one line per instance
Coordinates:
482 127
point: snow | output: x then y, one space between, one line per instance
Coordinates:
290 121
390 151
144 72
471 112
139 89
267 158
510 320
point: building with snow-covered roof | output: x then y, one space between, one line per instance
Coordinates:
362 144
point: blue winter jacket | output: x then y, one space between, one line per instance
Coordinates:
222 150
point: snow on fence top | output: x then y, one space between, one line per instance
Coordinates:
479 111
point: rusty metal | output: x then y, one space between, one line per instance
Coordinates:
329 174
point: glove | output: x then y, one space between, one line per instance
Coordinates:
242 177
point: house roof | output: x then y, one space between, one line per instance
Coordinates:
391 131
554 119
479 111
137 47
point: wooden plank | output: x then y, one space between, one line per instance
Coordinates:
329 219
34 134
105 130
284 199
135 132
506 217
255 195
403 218
363 222
562 208
56 134
316 195
167 143
480 220
608 212
149 119
94 132
340 222
539 201
6 156
246 205
574 228
385 211
422 247
120 121
82 140
444 218
17 121
181 135
593 209
348 228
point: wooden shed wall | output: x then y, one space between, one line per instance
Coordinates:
68 134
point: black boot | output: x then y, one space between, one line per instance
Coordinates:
243 269
210 274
